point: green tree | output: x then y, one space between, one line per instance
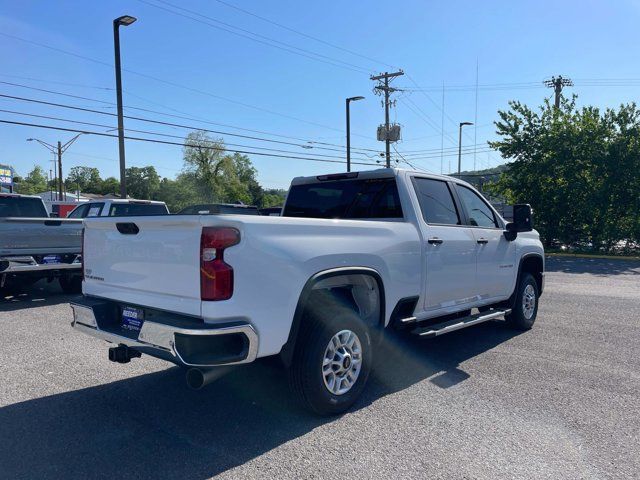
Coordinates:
87 179
579 169
109 186
218 177
178 193
35 182
142 182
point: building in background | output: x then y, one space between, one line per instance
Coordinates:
6 179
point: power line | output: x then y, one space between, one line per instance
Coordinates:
165 142
159 122
306 35
147 132
409 163
176 85
258 37
184 117
77 97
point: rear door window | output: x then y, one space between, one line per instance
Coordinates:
436 202
94 209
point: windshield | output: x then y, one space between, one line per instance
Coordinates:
137 209
22 207
371 198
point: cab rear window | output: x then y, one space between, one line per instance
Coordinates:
137 209
345 199
22 207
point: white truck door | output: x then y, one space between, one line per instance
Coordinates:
450 249
495 256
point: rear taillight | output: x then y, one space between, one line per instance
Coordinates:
216 277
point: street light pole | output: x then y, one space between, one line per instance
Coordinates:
125 20
462 124
57 151
348 101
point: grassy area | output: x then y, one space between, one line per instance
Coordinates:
560 253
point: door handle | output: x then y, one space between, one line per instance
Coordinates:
435 241
482 241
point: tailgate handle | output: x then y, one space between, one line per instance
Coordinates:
127 228
52 223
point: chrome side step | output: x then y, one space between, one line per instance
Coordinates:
458 323
408 320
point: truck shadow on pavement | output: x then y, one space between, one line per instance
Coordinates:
595 266
152 426
39 295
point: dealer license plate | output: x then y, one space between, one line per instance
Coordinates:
51 259
132 319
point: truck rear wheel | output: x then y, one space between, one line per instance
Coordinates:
525 307
332 360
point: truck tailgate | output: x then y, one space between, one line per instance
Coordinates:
39 235
149 261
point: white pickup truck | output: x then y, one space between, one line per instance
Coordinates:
352 255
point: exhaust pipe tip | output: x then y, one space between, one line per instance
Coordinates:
195 378
199 377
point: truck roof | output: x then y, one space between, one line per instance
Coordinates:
367 174
128 200
19 195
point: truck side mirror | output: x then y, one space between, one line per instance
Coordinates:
522 221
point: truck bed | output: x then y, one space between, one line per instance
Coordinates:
159 266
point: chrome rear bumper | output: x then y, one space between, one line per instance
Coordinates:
27 263
184 341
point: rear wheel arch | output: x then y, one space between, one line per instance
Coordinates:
357 288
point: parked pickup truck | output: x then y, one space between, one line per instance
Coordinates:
352 256
34 246
118 207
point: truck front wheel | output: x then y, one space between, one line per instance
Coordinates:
332 360
525 306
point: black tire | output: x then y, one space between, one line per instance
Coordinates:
71 285
517 318
306 373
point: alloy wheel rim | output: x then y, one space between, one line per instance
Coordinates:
528 302
342 362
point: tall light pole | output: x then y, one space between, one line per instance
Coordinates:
57 150
462 124
125 20
348 101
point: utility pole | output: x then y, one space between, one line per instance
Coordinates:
60 170
558 83
387 92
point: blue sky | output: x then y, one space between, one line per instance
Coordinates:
205 73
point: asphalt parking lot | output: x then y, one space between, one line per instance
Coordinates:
560 401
